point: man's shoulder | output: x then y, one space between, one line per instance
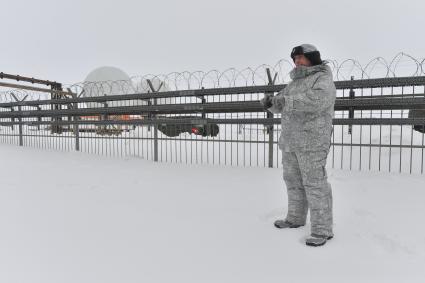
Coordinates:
323 69
324 73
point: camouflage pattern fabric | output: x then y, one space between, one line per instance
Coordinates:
307 108
306 182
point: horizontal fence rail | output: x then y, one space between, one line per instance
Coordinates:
218 107
262 121
379 124
340 85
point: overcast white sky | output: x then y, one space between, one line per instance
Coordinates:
65 40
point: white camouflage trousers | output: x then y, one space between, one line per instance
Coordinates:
305 177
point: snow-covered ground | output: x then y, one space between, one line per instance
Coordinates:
71 217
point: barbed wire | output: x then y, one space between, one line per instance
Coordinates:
402 65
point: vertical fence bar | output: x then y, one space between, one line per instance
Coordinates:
55 128
271 139
155 127
21 138
20 130
76 126
351 96
270 116
155 136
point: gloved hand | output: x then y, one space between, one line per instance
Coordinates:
266 101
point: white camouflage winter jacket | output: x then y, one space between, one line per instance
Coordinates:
307 108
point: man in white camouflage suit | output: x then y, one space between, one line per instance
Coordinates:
307 108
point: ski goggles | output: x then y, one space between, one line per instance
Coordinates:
298 50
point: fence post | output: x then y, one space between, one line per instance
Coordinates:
270 116
21 137
56 128
39 118
351 110
203 101
103 128
155 134
155 126
12 126
76 125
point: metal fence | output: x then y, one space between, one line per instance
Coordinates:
378 125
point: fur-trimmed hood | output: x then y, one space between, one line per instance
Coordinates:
304 71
